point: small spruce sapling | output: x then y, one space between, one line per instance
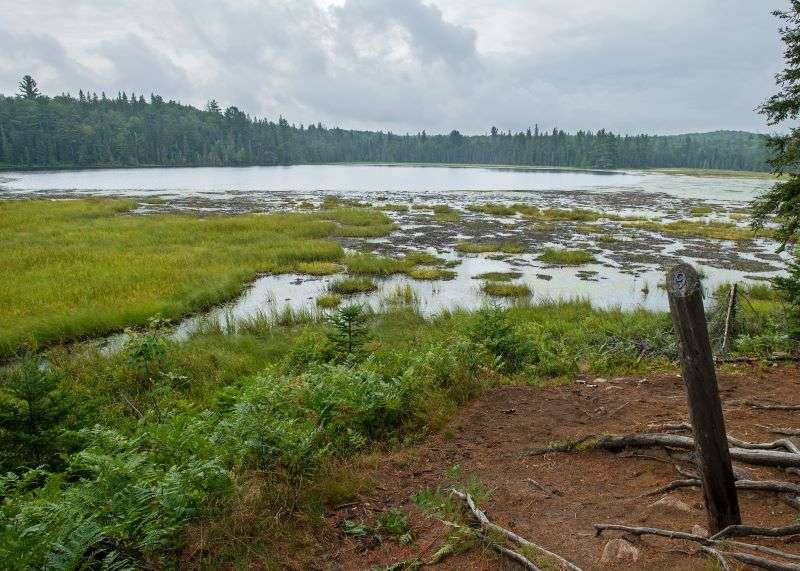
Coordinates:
349 329
32 412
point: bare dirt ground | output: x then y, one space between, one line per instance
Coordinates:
489 439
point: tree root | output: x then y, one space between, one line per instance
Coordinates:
774 486
617 442
767 405
748 530
486 524
710 542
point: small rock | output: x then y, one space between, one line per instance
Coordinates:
600 380
619 550
671 504
699 530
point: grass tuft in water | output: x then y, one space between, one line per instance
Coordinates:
349 286
329 301
501 289
429 273
566 257
499 276
318 268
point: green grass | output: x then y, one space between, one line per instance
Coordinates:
485 247
318 268
375 265
429 273
84 268
493 209
566 257
702 229
700 210
394 207
499 276
571 214
501 289
329 300
445 213
349 286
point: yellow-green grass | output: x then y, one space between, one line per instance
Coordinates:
349 286
501 289
445 213
493 209
499 276
394 207
572 214
329 300
375 265
431 273
702 229
485 247
701 210
318 268
606 238
83 268
566 257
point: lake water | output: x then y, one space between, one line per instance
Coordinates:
628 270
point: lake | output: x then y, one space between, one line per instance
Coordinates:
630 260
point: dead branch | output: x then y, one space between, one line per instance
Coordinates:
762 563
748 530
717 555
523 561
670 534
484 522
774 486
767 405
617 442
770 359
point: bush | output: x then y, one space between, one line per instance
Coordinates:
493 328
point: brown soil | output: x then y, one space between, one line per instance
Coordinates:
489 438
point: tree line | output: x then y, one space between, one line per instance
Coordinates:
131 130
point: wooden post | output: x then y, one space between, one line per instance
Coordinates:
685 294
730 319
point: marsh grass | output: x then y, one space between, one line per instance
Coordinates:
80 268
486 247
445 213
329 301
501 289
318 268
376 265
431 273
701 210
566 257
394 207
702 229
352 285
499 276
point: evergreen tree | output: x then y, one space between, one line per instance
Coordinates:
783 200
349 329
28 88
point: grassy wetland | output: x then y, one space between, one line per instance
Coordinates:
276 345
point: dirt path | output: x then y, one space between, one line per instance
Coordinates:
489 437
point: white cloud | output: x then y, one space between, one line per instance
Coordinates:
408 65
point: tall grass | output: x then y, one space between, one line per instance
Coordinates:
84 267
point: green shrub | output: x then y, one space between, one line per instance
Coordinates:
492 327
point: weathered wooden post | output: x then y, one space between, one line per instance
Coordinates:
685 294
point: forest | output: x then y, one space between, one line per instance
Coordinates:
37 131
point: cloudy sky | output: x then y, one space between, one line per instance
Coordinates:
655 66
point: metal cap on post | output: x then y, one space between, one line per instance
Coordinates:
685 293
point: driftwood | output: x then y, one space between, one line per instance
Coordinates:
616 442
485 523
710 542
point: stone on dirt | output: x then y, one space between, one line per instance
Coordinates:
671 505
619 551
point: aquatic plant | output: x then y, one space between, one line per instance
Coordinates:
501 289
349 286
566 257
485 247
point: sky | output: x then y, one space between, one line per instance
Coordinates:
630 66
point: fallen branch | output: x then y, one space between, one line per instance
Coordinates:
762 563
770 359
523 561
707 541
748 530
616 442
774 486
717 555
768 405
485 523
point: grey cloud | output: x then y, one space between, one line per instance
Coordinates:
408 65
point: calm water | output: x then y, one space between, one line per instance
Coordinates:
223 181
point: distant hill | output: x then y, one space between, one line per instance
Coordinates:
92 131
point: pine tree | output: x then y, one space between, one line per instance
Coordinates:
28 88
